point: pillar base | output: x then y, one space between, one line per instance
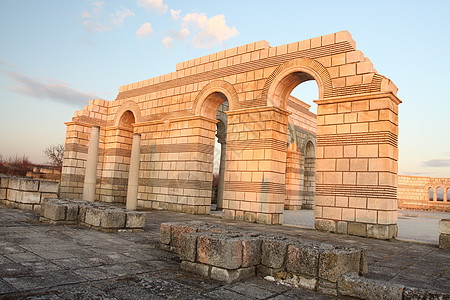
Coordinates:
376 231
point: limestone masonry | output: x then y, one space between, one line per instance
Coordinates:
153 146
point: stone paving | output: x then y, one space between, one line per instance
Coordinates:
41 261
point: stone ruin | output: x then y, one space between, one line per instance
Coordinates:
153 146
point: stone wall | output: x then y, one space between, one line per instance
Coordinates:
414 193
26 193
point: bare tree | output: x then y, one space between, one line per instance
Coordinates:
55 154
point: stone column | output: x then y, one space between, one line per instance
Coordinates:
356 165
223 155
133 174
90 177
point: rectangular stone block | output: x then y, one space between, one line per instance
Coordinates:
53 211
336 262
176 231
29 185
251 251
357 229
219 251
135 219
188 247
30 197
303 259
72 210
112 218
164 233
14 183
13 195
4 181
364 288
273 252
2 194
444 226
93 216
196 268
48 187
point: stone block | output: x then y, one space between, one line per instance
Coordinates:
357 229
53 211
325 225
112 218
14 183
188 247
25 206
13 195
93 216
444 241
274 252
48 187
335 262
364 288
82 214
264 271
30 197
444 226
327 287
341 227
383 232
364 262
48 195
230 276
29 185
220 251
164 233
303 259
72 210
176 231
300 281
2 194
410 293
4 181
251 251
135 219
196 268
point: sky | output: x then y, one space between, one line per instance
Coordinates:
56 55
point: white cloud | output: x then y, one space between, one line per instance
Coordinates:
156 5
144 30
167 42
118 17
48 89
180 35
211 31
96 21
175 14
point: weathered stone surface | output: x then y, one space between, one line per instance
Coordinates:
444 241
325 225
341 227
220 251
93 216
264 271
112 218
2 194
176 231
363 288
335 262
364 262
4 181
135 219
31 197
410 293
53 211
165 233
444 226
196 268
188 247
274 251
303 259
357 229
72 211
48 187
230 276
251 251
379 231
29 185
327 287
14 183
14 196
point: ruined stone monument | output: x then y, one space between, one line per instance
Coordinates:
153 146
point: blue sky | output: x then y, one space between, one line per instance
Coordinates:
56 55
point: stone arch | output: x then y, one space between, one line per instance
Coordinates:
430 193
292 73
212 95
130 106
291 136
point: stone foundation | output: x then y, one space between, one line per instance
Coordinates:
26 193
228 254
89 214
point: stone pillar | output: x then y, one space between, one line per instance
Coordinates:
133 174
220 188
90 177
293 201
255 176
356 165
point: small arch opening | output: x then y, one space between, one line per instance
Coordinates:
440 194
448 194
430 194
127 119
